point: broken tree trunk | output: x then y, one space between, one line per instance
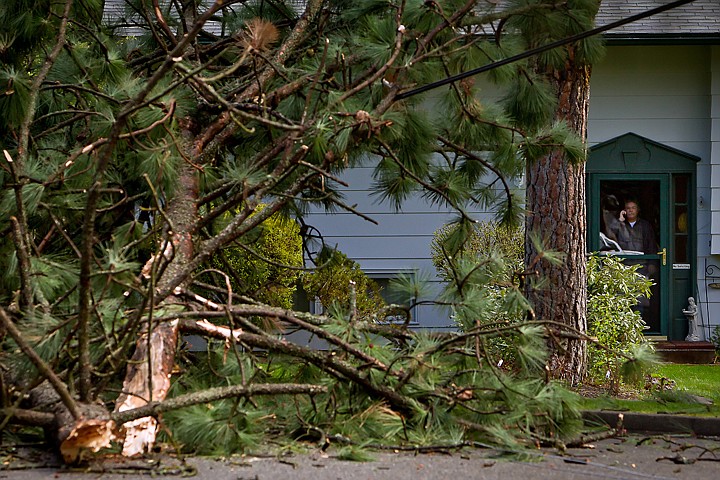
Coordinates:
148 373
92 430
75 426
147 380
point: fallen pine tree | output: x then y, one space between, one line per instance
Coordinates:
134 160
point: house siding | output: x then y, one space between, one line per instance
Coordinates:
708 260
715 151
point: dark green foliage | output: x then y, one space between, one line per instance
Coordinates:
26 24
15 88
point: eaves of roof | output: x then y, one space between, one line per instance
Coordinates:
662 39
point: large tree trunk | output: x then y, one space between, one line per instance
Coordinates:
556 204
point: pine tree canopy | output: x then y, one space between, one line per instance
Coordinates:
141 142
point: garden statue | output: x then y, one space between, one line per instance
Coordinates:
691 315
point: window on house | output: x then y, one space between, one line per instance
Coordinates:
303 302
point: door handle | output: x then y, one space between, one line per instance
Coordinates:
663 252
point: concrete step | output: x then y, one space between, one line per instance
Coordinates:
686 352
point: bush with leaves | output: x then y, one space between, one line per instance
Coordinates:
613 292
465 249
483 269
265 264
497 251
334 281
483 240
715 339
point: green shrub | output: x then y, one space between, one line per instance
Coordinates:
483 240
613 291
481 260
330 283
259 268
458 249
715 339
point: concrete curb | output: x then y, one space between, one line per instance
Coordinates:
656 422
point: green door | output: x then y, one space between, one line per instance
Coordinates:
648 195
658 180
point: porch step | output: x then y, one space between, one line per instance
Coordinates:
685 352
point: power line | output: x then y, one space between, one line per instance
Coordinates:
544 48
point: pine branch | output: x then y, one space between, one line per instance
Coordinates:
38 80
24 265
488 165
422 182
223 128
288 316
22 416
259 161
326 361
380 71
163 23
57 384
214 394
448 22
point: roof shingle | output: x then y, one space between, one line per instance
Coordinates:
698 17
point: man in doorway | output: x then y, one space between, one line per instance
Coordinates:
635 233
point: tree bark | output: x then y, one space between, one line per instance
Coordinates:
150 368
555 199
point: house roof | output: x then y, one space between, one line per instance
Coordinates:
699 19
695 21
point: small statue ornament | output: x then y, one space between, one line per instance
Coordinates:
691 315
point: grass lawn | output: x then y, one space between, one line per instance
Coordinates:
692 381
701 380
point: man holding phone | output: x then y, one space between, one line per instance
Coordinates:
635 233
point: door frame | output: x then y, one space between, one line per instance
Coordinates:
594 201
632 156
